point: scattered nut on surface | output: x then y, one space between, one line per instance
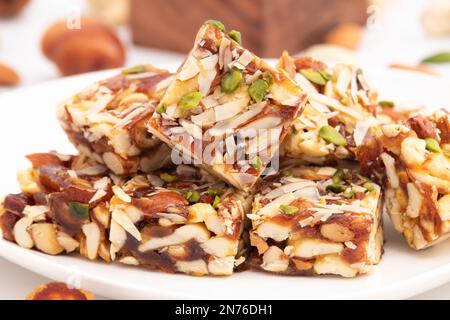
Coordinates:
436 18
347 35
113 13
8 77
58 291
91 47
10 8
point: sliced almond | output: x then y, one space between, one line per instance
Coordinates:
21 234
44 237
92 233
189 70
230 109
67 242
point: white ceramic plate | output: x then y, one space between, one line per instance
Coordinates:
29 125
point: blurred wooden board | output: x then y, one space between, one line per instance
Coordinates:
267 26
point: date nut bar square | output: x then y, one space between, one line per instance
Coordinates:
107 120
180 219
315 221
227 110
412 161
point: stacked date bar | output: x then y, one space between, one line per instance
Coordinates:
412 160
316 220
227 109
342 110
107 120
174 220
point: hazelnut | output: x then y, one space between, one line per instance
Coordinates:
10 8
92 47
8 77
347 35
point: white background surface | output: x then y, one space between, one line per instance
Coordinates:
397 37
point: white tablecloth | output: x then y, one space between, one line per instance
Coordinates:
397 37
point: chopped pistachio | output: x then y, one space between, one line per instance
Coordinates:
190 100
369 186
335 188
267 77
287 173
258 90
338 176
313 76
134 70
216 202
193 196
387 104
257 163
349 194
293 131
79 210
331 135
291 210
236 36
215 192
325 75
216 23
167 177
446 153
442 57
160 108
432 145
231 81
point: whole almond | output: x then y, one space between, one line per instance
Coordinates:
346 35
8 77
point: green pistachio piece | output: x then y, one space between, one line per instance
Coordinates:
287 173
258 90
193 196
446 153
313 76
190 100
331 135
215 192
335 188
349 194
231 81
268 78
167 177
288 209
257 164
325 75
369 186
216 202
79 210
236 36
338 176
442 57
160 108
216 23
386 104
432 145
134 70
